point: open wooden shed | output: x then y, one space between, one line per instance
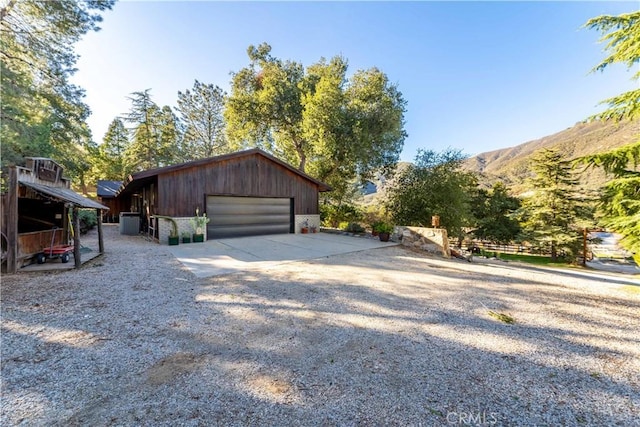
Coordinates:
245 193
39 209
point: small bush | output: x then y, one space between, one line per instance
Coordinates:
383 227
333 216
372 215
351 227
88 220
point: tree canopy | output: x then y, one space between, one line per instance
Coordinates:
42 113
494 211
108 158
331 126
551 214
620 201
201 116
154 134
622 37
435 184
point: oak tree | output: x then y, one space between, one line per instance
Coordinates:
435 184
334 127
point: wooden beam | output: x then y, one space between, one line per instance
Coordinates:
76 237
100 240
12 221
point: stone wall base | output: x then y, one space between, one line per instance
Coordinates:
184 226
431 240
311 220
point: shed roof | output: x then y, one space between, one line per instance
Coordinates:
108 188
65 195
139 179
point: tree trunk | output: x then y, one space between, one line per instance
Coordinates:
83 184
12 220
303 163
299 147
554 252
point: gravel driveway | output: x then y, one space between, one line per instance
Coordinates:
378 337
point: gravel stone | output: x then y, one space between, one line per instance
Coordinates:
379 337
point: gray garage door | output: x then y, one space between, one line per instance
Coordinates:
247 216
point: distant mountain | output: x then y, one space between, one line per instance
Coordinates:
512 165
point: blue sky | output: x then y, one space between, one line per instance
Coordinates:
477 76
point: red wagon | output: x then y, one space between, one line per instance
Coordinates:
52 252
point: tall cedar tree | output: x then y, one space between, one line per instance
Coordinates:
42 114
551 211
154 134
620 201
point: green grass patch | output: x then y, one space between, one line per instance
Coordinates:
502 317
532 259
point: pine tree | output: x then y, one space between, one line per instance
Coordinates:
154 134
42 112
201 113
551 212
110 162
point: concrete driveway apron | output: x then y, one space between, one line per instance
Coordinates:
223 256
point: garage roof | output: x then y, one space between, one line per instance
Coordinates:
139 179
108 188
65 195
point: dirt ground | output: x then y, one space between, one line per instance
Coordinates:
378 337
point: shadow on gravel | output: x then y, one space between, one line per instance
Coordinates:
384 337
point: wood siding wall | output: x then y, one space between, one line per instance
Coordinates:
115 205
30 244
179 193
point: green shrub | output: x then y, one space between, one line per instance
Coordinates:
332 216
374 214
351 227
88 220
383 227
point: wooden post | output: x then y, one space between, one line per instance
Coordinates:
76 237
12 221
100 241
584 247
65 224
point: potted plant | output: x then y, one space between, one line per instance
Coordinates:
186 237
384 231
374 228
199 222
174 239
304 229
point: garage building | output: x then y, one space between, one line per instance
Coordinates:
244 193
